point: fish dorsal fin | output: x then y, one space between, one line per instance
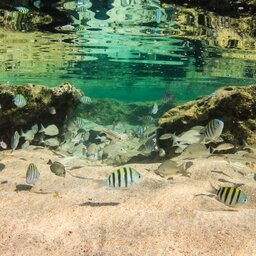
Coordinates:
22 133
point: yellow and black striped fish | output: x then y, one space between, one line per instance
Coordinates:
231 196
33 174
213 129
21 9
147 119
19 100
123 177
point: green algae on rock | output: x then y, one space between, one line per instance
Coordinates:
63 98
235 106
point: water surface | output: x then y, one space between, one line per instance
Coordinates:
127 50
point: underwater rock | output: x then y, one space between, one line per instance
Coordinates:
235 106
63 98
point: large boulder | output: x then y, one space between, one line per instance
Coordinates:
40 99
235 106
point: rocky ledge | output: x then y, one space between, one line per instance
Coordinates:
235 106
39 102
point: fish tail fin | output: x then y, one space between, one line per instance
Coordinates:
42 128
174 139
212 189
22 134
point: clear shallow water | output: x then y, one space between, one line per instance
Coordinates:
123 53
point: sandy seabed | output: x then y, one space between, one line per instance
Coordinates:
73 216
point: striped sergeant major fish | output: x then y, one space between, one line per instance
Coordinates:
33 174
85 100
19 100
79 122
22 9
231 196
213 129
140 131
123 177
15 141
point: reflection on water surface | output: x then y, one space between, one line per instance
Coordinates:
131 50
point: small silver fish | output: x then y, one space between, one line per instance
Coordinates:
58 169
29 135
195 151
37 3
15 141
50 130
19 100
168 168
35 128
154 109
223 147
32 174
123 177
85 100
52 110
52 142
67 27
3 145
189 137
150 145
165 136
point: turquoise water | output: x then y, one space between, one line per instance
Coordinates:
123 52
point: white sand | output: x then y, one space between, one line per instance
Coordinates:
155 217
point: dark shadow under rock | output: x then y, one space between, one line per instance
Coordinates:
63 98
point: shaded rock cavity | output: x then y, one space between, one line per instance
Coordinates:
40 99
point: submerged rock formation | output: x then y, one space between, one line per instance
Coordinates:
40 99
235 106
